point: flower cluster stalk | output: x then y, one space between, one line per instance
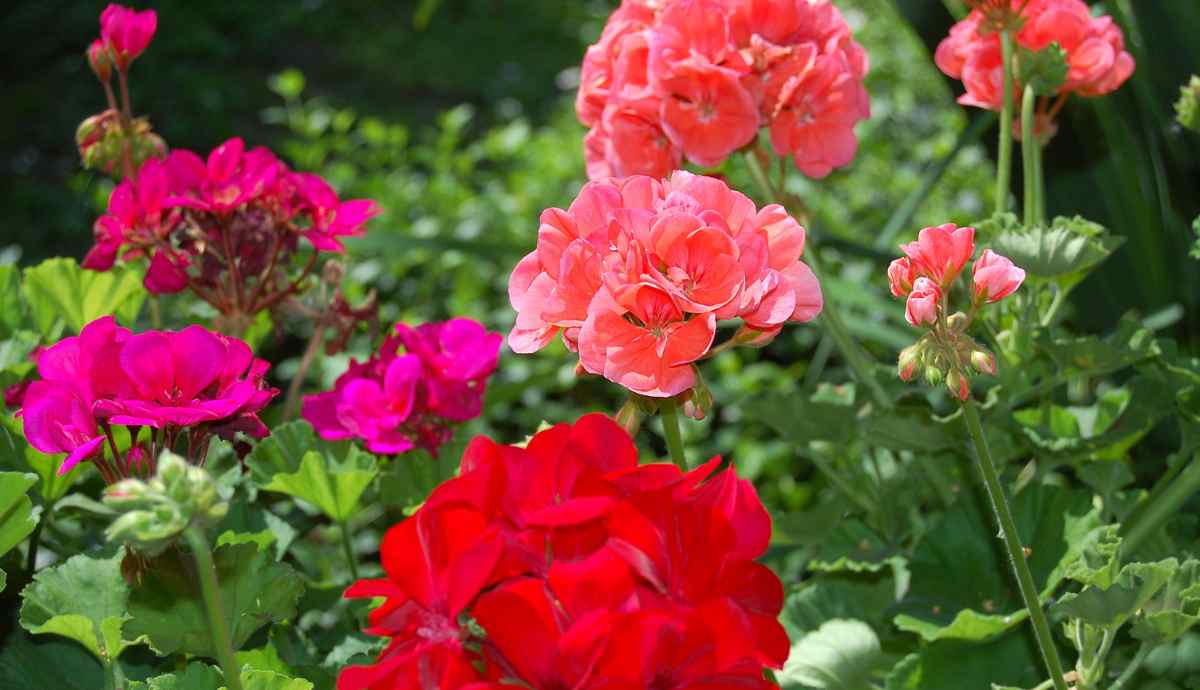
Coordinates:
210 591
858 360
668 411
1012 542
1031 152
1004 156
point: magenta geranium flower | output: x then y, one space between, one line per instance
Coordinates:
125 32
226 226
183 387
411 393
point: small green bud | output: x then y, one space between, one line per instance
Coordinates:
909 363
957 384
957 322
155 512
1187 108
984 361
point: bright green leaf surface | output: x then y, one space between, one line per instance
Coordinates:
840 655
59 291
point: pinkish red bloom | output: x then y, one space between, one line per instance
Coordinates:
1095 49
940 252
580 568
187 384
126 32
995 277
699 78
396 402
921 309
901 276
636 273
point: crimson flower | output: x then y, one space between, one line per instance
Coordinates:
565 564
126 32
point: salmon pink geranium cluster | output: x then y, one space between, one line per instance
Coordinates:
180 386
226 226
1097 62
409 395
670 79
565 564
637 272
924 276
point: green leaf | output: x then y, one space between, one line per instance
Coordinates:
854 547
58 291
282 451
1150 402
1128 345
824 598
12 308
269 680
30 662
958 665
407 480
84 599
840 655
911 427
16 510
1045 70
800 420
1111 606
197 676
17 454
255 591
1099 559
1175 609
1063 253
333 486
355 649
960 564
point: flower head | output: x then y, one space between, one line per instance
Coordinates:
636 273
699 78
188 384
940 252
921 309
395 402
126 32
579 568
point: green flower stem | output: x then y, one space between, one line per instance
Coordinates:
348 547
211 593
1004 157
1132 669
1163 502
1029 156
1012 542
668 411
114 676
858 360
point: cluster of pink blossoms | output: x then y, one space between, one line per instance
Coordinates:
698 78
1095 48
399 401
580 569
185 385
924 276
213 225
637 272
124 35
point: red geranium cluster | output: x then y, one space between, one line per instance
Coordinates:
1095 48
180 385
226 227
698 78
637 272
565 564
396 402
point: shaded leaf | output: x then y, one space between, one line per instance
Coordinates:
1064 253
197 676
255 591
800 420
30 662
1045 70
1175 609
840 655
911 428
1109 607
58 291
956 665
825 598
407 480
16 510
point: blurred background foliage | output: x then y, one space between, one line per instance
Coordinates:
456 115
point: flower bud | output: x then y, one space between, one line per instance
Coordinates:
1187 108
957 322
699 400
957 384
909 364
100 61
984 361
901 275
755 337
933 375
922 306
995 277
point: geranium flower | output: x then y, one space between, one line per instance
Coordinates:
126 32
579 568
921 309
698 78
187 384
940 252
637 272
396 402
995 277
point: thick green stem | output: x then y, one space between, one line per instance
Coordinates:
1004 157
1160 505
668 412
1012 542
348 548
114 676
210 592
1029 157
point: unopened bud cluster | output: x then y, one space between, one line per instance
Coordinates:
1187 108
924 276
103 139
156 511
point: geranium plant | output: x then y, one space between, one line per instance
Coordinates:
992 511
